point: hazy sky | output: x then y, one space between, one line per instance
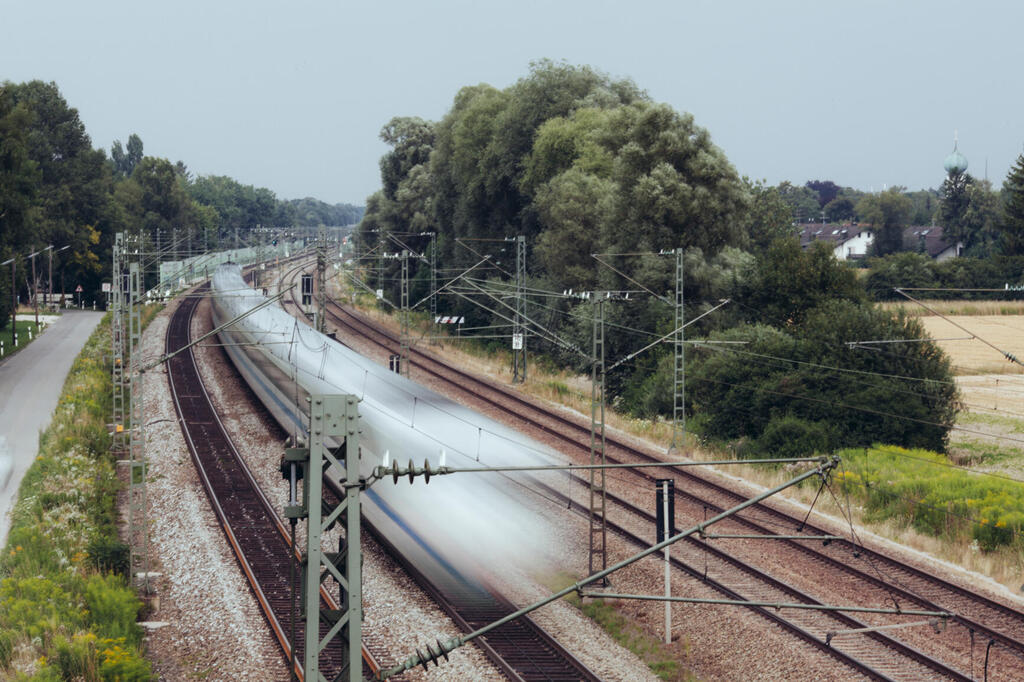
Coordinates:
292 95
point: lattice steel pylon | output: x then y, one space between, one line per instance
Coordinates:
519 326
117 349
433 284
381 248
336 418
679 375
404 313
598 558
321 280
138 532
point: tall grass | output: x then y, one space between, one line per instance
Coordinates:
67 610
919 488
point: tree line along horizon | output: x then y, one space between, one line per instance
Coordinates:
581 163
56 189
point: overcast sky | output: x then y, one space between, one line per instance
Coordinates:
292 95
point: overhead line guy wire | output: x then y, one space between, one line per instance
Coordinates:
1007 355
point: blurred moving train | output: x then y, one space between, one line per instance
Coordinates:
463 521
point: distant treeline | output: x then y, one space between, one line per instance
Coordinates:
56 189
582 164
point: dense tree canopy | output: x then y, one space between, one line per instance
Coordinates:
888 212
582 164
56 189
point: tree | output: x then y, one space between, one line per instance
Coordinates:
825 189
126 161
802 202
1012 234
768 215
780 388
888 213
786 282
899 270
840 208
572 207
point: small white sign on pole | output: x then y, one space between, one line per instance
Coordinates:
105 287
517 342
380 294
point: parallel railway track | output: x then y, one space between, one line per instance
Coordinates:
981 618
521 649
255 533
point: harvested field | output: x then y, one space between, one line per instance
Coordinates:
971 357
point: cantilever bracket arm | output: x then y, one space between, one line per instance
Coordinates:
167 356
442 649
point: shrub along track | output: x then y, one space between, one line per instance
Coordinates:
254 531
982 619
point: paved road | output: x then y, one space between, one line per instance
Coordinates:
30 384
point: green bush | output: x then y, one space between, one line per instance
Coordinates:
789 436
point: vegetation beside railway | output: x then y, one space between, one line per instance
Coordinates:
67 610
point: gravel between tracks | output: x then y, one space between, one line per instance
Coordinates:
713 643
397 616
215 630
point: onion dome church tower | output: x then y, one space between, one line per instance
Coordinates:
956 163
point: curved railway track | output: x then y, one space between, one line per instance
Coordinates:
983 620
521 649
255 533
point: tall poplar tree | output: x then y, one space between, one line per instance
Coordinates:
1013 210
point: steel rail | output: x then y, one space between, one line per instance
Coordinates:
426 362
522 650
262 568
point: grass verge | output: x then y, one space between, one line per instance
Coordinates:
67 610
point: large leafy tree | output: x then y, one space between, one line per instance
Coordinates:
888 212
68 202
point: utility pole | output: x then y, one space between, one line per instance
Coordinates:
335 418
49 278
406 334
519 328
321 280
679 378
14 304
598 532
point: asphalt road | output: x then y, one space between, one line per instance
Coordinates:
30 384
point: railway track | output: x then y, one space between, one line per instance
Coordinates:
982 620
521 649
255 533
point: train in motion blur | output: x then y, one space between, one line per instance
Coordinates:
463 521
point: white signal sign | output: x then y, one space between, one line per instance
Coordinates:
517 342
